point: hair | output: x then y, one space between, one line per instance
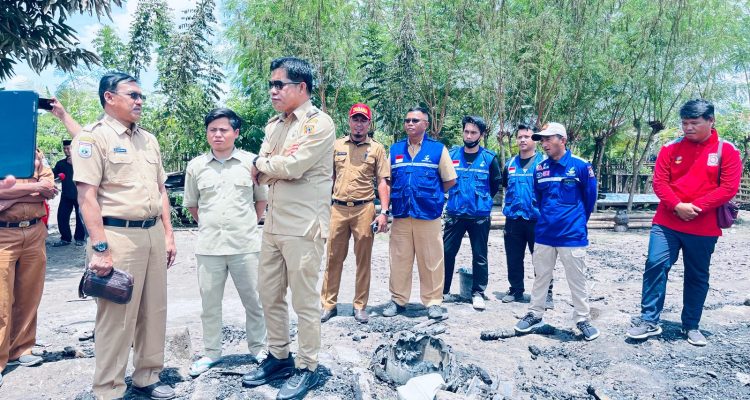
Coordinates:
524 127
296 69
697 108
420 109
109 83
217 113
478 121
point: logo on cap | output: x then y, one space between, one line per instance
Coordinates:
362 109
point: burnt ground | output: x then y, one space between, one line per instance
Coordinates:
555 365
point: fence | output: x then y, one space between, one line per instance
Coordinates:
616 178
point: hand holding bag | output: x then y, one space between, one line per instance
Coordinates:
117 286
726 213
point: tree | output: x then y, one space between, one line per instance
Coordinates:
36 32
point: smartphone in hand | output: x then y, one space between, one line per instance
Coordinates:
18 113
45 104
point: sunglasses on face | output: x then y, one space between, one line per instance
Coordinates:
133 95
412 120
279 85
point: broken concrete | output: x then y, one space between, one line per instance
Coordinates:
410 355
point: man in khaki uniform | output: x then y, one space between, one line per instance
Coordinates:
120 182
421 172
295 161
23 262
359 161
220 195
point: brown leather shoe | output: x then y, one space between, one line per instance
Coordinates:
361 316
325 315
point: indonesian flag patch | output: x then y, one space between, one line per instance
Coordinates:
456 162
511 170
399 159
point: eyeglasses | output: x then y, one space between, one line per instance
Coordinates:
133 95
279 85
412 120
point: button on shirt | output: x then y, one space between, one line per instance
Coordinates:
357 166
125 164
225 196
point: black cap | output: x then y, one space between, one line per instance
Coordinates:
67 142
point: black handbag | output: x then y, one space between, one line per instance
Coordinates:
117 286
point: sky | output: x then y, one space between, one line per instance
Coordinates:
86 26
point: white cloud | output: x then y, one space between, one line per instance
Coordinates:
19 82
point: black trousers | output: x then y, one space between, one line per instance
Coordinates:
517 235
63 220
479 231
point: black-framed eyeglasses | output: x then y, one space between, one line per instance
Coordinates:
412 120
133 95
279 85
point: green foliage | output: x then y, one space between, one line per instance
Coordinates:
36 32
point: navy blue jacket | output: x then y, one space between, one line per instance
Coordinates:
416 187
566 193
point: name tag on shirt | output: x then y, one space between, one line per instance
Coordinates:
120 150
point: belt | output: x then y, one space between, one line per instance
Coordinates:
124 223
350 203
21 224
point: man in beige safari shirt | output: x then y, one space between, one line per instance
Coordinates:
221 196
295 161
120 182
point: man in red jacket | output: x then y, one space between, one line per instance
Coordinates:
686 179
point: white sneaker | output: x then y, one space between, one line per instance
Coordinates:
477 301
201 366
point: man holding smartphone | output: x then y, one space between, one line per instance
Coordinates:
23 262
358 162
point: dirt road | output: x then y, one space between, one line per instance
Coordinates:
559 365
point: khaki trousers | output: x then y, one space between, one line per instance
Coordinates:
212 277
293 262
423 238
142 322
345 222
544 259
23 262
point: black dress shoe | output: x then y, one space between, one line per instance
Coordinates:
325 315
156 391
269 370
298 385
361 316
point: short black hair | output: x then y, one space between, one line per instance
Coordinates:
109 83
478 121
697 108
296 69
420 109
524 127
221 112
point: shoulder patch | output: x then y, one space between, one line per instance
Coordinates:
85 149
86 139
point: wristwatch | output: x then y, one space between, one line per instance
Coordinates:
100 247
387 213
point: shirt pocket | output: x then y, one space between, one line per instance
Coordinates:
568 191
244 188
120 167
151 156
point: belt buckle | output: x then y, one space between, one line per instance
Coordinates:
350 204
24 224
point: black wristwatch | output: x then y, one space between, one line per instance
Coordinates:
100 247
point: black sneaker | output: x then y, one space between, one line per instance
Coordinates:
269 370
511 296
589 331
60 243
528 322
298 385
392 309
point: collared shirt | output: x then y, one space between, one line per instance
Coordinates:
358 166
27 211
299 185
125 165
445 166
225 196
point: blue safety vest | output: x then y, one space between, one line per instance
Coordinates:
416 188
471 194
566 193
520 201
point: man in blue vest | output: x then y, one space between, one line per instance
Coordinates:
469 206
421 173
565 189
521 212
